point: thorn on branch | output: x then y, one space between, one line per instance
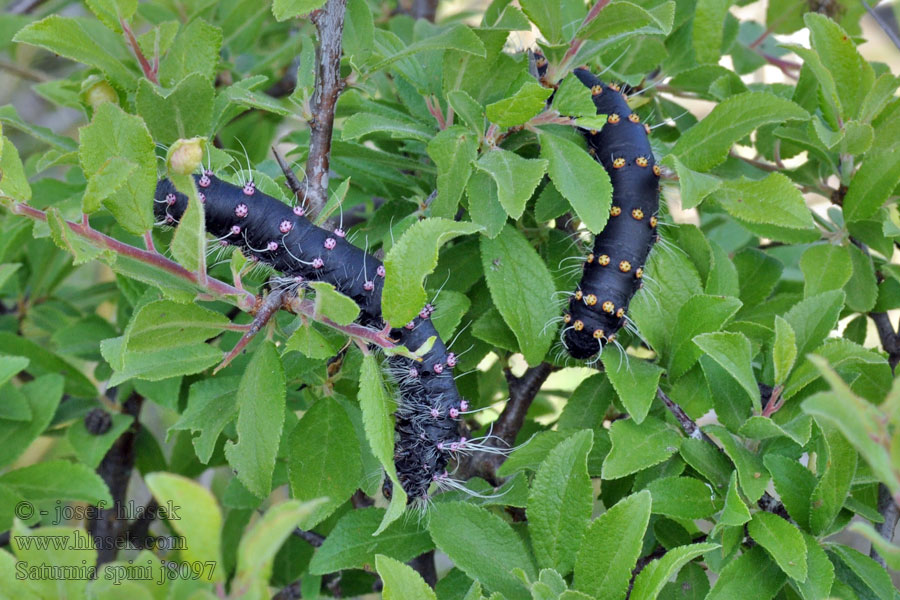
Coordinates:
270 305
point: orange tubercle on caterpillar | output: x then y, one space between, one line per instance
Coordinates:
615 211
624 266
641 161
609 307
634 118
612 119
637 214
656 170
578 294
590 258
603 260
590 299
618 163
596 90
653 221
598 334
578 325
620 313
639 272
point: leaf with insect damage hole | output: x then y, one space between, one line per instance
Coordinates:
520 285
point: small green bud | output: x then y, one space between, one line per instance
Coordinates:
186 155
95 91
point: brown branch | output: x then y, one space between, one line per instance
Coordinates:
23 7
269 306
329 22
310 537
522 391
890 341
885 26
115 469
889 509
214 288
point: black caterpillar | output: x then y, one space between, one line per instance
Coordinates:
271 232
613 271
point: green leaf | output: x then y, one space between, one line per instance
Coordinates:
547 16
334 305
735 512
484 205
258 547
653 577
67 37
830 493
90 448
312 343
10 366
58 480
862 288
634 380
527 102
695 187
468 109
324 460
580 179
681 498
700 314
351 545
709 29
42 395
888 551
188 245
211 405
376 407
288 9
13 182
573 99
707 143
400 581
782 541
732 352
813 318
825 267
602 568
560 504
112 132
820 571
872 185
260 400
860 573
166 324
794 484
195 50
453 152
183 113
753 572
54 547
784 350
520 286
482 545
621 17
43 362
196 516
636 447
156 365
751 471
81 250
362 124
516 177
458 37
105 182
110 12
6 271
409 260
773 200
853 75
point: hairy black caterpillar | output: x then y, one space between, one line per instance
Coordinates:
614 269
273 233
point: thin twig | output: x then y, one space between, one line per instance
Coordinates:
148 69
890 341
215 288
329 22
23 72
310 537
269 306
687 424
889 509
23 7
883 24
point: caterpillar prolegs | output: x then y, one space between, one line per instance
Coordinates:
613 271
271 232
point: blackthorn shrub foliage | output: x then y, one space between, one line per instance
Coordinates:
508 300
